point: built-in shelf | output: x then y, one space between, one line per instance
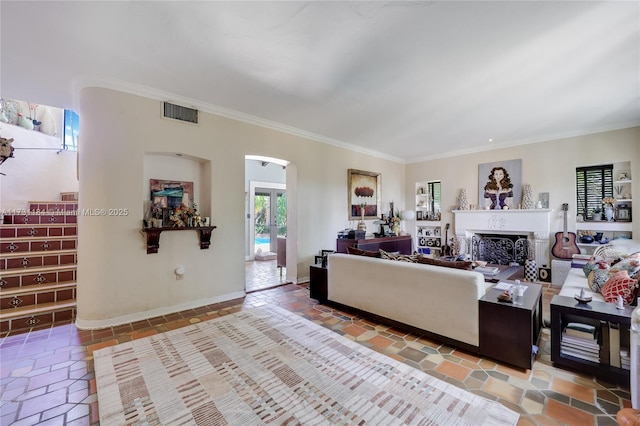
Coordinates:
603 225
153 236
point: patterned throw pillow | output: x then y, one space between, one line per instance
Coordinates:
594 264
359 252
620 284
631 264
411 258
457 264
597 279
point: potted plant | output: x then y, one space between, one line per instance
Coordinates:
596 213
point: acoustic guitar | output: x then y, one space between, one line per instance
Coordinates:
565 246
446 248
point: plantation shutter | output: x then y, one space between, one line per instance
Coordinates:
592 185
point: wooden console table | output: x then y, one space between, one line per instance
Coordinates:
508 332
153 236
400 244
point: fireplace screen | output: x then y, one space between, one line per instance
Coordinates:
500 249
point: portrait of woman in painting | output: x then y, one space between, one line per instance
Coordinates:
498 188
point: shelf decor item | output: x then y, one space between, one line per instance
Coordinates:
527 197
608 203
463 200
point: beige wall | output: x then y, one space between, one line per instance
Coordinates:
546 166
118 281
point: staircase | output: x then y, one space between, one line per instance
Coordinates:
38 260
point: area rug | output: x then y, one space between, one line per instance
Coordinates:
269 366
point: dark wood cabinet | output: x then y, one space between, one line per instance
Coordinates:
509 332
318 283
400 244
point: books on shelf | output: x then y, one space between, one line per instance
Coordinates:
581 341
625 358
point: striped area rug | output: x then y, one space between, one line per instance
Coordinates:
269 366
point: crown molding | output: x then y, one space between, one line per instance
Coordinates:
162 96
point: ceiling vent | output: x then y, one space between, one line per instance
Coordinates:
181 113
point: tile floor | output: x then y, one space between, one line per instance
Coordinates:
47 378
261 274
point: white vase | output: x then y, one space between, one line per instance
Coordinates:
608 214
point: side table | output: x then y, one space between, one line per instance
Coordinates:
508 332
318 283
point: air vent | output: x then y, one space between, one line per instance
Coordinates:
181 113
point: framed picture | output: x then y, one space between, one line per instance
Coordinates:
623 214
171 193
364 194
419 215
500 184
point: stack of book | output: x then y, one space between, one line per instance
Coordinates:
487 270
579 260
581 341
625 359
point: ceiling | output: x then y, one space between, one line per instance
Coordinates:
407 81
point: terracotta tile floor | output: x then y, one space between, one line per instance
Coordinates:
47 378
261 274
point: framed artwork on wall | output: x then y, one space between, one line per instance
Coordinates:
363 194
171 193
500 184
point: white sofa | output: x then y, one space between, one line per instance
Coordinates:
442 301
576 281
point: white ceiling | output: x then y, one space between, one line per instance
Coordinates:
402 80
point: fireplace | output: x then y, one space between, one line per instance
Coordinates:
523 229
500 249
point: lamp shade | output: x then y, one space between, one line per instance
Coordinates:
408 215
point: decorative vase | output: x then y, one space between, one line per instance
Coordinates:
530 270
586 239
608 214
463 201
527 197
598 236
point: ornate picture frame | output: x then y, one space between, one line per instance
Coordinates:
363 191
511 170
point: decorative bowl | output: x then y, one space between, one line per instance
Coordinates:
481 263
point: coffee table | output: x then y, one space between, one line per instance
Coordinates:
508 332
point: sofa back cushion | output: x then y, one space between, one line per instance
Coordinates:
457 264
359 252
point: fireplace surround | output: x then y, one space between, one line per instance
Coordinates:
534 225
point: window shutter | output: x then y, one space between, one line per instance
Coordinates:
592 185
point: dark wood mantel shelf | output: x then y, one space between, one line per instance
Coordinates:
153 236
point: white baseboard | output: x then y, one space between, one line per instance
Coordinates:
84 324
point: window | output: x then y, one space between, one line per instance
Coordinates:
434 189
592 185
71 130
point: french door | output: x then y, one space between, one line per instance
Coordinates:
270 217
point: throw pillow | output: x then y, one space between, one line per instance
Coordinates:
359 252
457 264
411 258
631 264
594 264
597 279
621 284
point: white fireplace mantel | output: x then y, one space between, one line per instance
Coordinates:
535 223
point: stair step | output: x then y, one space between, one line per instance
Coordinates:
12 278
22 261
23 318
9 246
53 206
69 196
41 231
33 295
48 218
36 288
